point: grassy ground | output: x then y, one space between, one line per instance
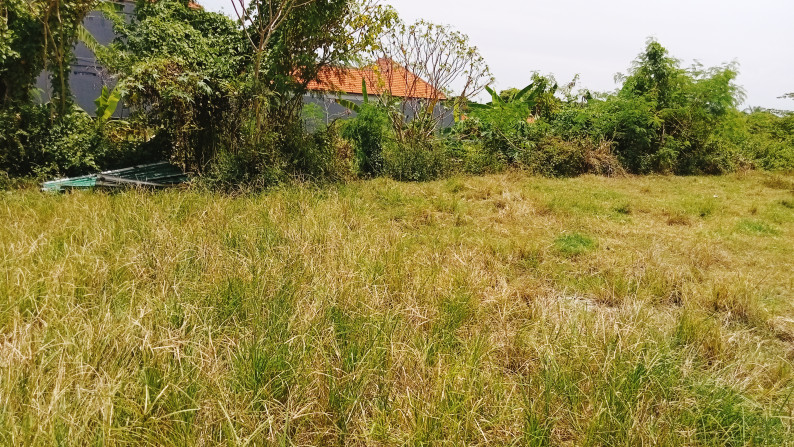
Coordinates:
501 310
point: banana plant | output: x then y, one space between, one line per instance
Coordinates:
530 96
107 103
346 103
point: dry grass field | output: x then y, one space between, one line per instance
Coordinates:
498 310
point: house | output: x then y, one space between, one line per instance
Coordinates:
384 76
88 76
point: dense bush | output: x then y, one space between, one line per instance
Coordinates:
475 158
415 161
36 142
767 139
181 73
368 132
315 156
663 119
552 156
279 158
246 168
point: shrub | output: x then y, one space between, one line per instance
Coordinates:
555 157
35 143
5 181
280 157
601 160
475 158
368 132
314 156
415 161
246 166
768 140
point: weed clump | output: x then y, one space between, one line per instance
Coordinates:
739 303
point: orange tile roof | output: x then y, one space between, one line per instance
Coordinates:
382 77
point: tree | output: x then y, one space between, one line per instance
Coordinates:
664 117
179 70
38 34
439 55
291 41
21 56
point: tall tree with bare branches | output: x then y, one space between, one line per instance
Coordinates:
425 53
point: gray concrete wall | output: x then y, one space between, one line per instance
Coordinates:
330 110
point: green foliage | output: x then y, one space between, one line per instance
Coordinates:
514 123
41 145
535 100
279 158
178 69
227 101
21 55
368 132
478 160
766 139
313 156
553 156
38 34
663 119
292 41
107 103
574 244
672 116
415 161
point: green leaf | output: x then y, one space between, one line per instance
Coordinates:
100 51
520 95
364 90
101 101
107 103
112 104
349 105
494 96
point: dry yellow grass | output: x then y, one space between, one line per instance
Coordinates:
499 310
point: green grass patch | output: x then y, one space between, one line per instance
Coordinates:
574 244
756 227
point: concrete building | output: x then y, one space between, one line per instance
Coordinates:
88 76
383 76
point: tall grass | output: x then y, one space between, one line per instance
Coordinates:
498 310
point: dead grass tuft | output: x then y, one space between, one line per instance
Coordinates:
679 219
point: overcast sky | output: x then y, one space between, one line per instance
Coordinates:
598 38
